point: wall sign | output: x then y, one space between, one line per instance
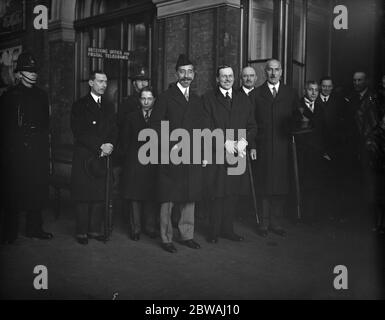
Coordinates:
108 54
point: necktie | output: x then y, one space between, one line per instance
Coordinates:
274 92
147 115
99 103
186 95
311 106
228 96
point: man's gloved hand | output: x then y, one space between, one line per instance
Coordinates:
241 147
230 146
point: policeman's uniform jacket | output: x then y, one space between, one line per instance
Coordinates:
25 160
274 121
91 127
178 182
223 115
138 180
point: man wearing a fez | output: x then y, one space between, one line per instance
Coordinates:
226 108
178 185
93 124
25 163
274 106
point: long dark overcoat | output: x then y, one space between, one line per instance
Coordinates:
181 182
222 116
274 120
139 180
311 147
25 161
91 127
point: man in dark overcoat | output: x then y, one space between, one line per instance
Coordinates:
225 109
275 104
138 179
178 185
93 124
25 162
335 177
312 153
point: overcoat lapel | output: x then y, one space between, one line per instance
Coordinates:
221 99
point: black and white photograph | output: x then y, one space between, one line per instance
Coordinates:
191 155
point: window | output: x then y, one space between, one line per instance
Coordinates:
299 44
260 44
126 34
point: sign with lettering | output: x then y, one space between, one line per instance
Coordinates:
108 54
12 16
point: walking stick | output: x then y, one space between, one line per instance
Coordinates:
296 177
107 218
252 188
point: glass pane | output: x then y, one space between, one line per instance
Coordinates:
137 43
261 30
298 32
110 38
318 36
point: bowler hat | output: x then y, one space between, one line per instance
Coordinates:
141 74
95 167
26 62
183 60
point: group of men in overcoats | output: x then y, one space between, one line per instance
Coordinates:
269 115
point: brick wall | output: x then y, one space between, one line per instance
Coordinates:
210 37
202 49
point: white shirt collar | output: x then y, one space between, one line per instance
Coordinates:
183 89
96 98
325 97
310 104
230 91
271 86
246 90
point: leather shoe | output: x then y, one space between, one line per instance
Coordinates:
82 240
135 237
169 247
262 232
191 244
212 240
278 231
233 237
42 235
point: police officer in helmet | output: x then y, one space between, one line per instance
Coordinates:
25 163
